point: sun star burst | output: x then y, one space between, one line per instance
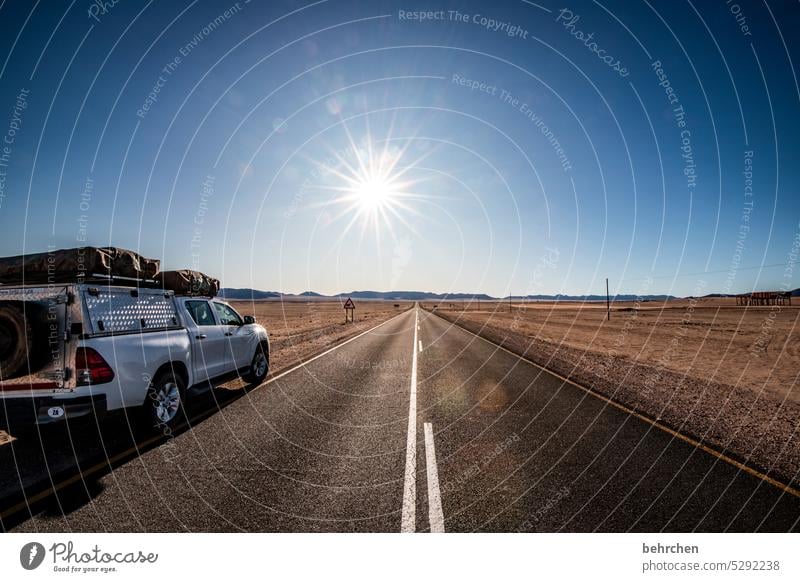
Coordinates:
371 186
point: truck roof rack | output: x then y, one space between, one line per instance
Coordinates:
109 266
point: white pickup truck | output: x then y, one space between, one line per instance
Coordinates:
77 350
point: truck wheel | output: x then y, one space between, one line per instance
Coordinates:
259 367
163 407
16 341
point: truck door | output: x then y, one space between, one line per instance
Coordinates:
240 338
209 353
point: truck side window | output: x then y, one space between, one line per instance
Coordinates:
200 312
227 316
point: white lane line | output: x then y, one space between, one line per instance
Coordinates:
435 513
409 521
420 345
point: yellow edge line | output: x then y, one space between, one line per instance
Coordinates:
119 456
723 457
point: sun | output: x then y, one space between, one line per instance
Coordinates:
372 186
373 193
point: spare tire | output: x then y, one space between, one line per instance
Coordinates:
16 340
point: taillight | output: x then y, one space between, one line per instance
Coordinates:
91 368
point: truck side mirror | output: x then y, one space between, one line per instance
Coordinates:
248 319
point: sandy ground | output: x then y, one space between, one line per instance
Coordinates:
725 374
299 329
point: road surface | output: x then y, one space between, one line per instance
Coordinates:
416 425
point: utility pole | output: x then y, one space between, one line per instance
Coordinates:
608 302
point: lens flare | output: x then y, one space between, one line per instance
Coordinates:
372 185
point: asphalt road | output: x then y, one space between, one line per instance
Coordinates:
416 425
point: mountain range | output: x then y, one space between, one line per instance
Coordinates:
244 293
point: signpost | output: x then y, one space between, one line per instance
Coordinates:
349 310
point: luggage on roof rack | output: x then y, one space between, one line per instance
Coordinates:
188 282
79 264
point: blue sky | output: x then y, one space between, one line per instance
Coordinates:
522 161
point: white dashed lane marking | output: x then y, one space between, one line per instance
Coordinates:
435 513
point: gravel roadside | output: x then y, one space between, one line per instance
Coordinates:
755 428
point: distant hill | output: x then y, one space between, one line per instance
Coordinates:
236 293
231 293
621 297
793 293
245 293
413 295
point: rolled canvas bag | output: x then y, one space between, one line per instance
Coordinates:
71 265
125 263
188 282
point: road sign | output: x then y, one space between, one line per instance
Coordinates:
349 310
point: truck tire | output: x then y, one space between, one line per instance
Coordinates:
16 341
164 406
259 366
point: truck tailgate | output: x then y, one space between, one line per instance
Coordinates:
47 367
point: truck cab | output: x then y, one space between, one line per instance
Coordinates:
223 341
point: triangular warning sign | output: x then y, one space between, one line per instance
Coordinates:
349 304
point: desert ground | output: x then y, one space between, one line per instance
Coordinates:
725 374
299 329
754 348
